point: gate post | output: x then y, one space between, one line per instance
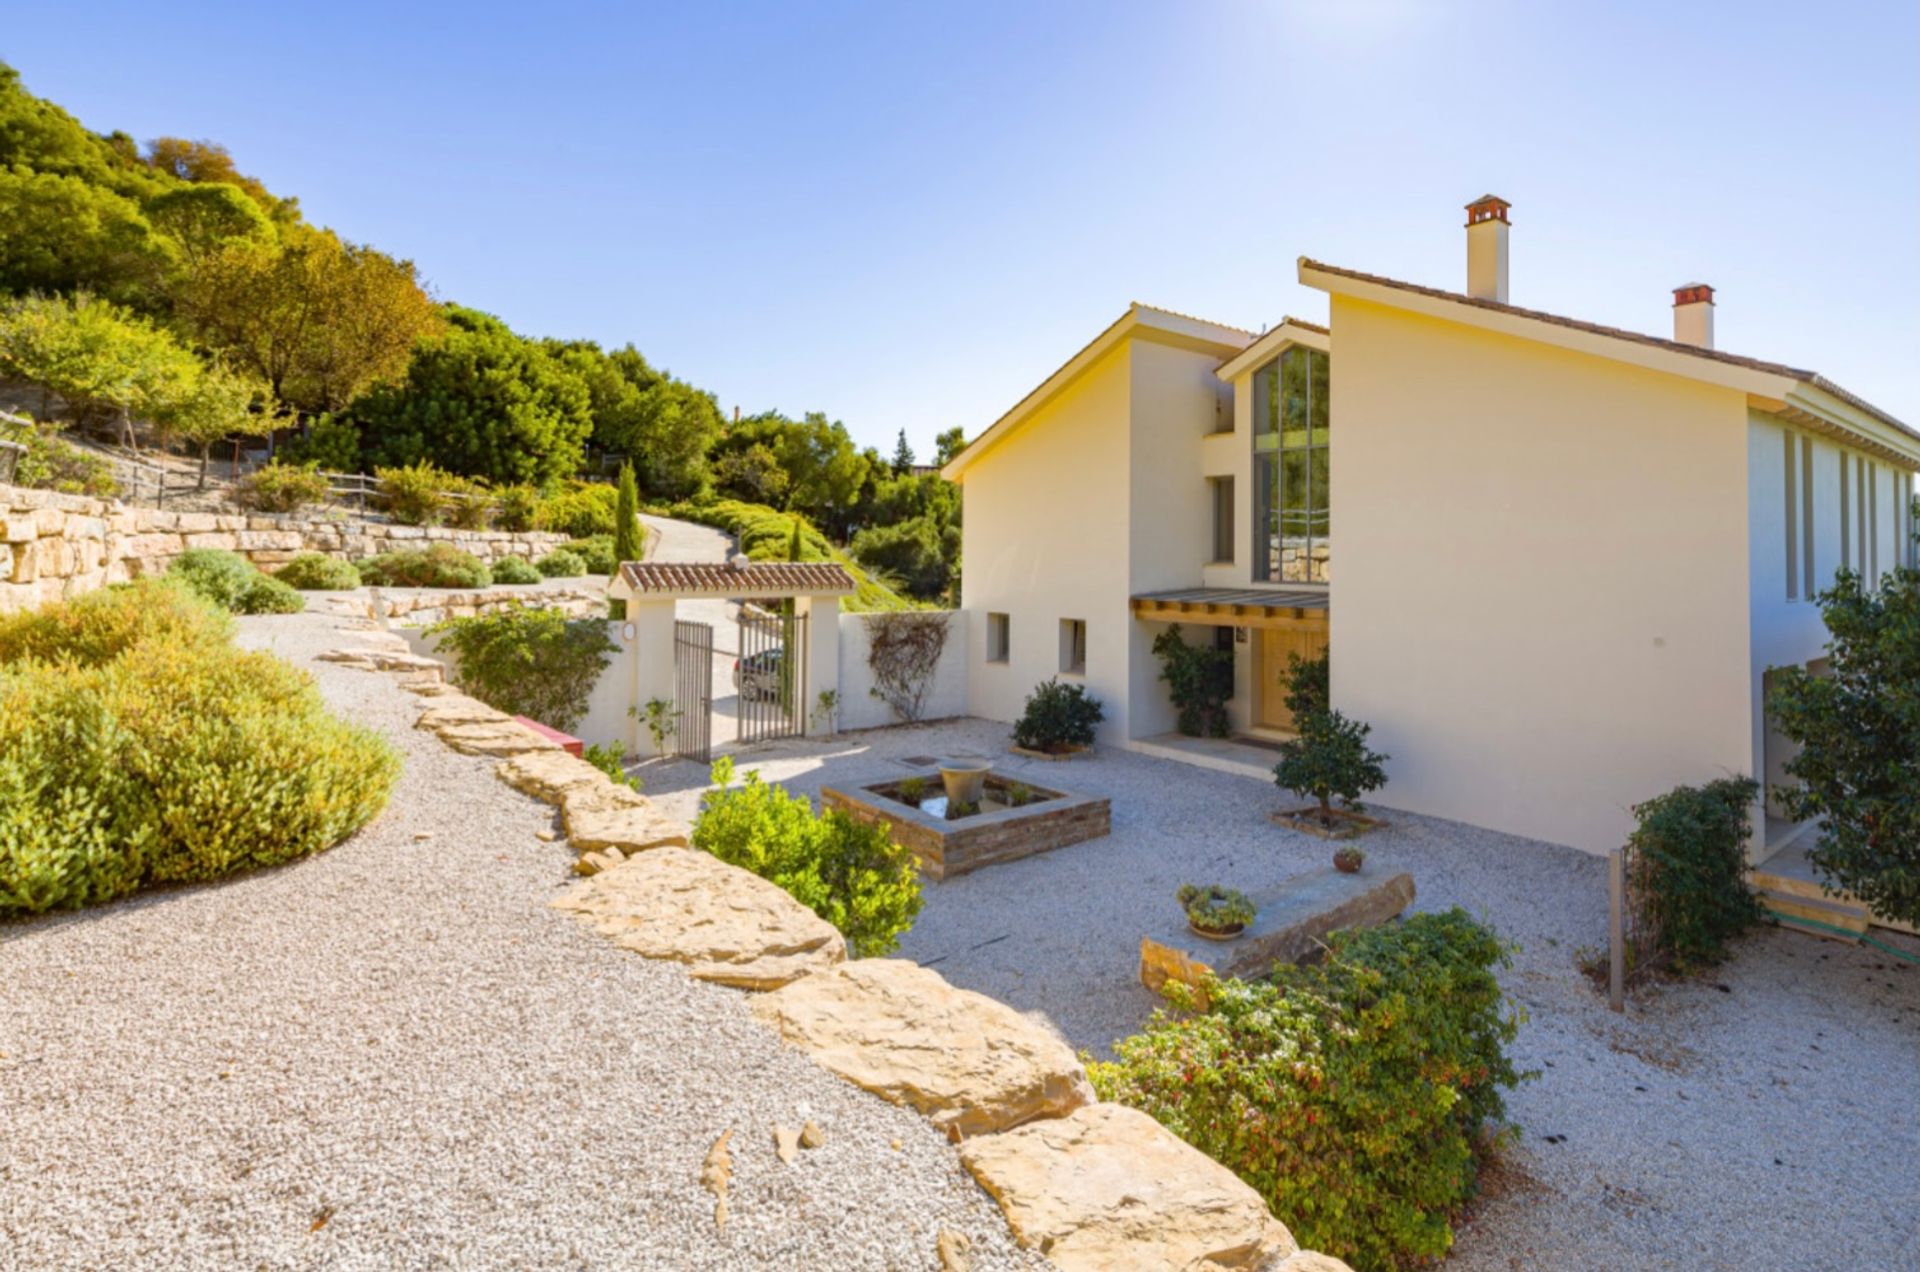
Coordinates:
822 614
652 623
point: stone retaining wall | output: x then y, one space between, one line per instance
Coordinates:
54 545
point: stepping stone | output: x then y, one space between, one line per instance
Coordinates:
550 775
607 815
729 926
1108 1187
972 1064
1289 924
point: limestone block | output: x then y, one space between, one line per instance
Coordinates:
1106 1187
971 1064
727 925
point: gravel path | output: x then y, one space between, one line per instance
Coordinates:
394 1055
1767 1116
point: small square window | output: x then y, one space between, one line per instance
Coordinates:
998 630
1073 645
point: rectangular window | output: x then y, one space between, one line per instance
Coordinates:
1860 513
1292 513
1806 517
1222 519
1073 646
1792 521
1846 514
998 646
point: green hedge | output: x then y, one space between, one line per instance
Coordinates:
1353 1095
515 570
1688 863
766 534
139 747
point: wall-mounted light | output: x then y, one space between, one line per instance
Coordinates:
628 632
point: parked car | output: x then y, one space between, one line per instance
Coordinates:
757 676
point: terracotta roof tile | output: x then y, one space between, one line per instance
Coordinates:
718 578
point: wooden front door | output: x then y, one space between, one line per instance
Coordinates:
1273 645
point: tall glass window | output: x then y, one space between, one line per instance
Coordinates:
1291 514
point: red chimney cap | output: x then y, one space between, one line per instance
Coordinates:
1488 207
1692 294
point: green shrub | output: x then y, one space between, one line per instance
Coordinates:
611 760
330 445
1688 874
1351 1095
629 540
582 510
317 572
766 534
561 564
849 873
515 570
515 507
100 626
1309 684
144 759
1858 727
1057 717
1330 759
441 565
531 662
1199 681
282 488
413 495
467 504
233 583
52 463
595 552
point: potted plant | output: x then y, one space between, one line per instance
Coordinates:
1217 913
1348 860
1057 722
1329 760
910 790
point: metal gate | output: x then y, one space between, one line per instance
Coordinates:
772 676
693 690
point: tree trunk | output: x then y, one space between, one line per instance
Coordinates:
206 449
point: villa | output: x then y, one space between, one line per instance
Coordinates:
1569 555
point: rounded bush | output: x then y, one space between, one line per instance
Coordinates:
317 572
515 570
1057 718
561 564
282 488
268 595
102 625
441 565
596 551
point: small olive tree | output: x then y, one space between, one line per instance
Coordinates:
1858 727
1330 760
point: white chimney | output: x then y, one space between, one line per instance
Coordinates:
1487 248
1693 315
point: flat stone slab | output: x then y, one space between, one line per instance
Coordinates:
971 1064
1290 923
1108 1187
608 815
549 775
726 924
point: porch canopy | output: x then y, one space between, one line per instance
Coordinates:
1233 606
737 579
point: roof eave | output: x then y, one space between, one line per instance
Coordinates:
1267 346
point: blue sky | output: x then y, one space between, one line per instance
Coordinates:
906 215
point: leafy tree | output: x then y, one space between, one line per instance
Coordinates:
948 444
60 234
103 361
1309 684
482 401
663 425
216 405
903 458
1330 759
319 321
208 162
825 471
202 219
1858 726
1199 681
919 552
753 475
627 536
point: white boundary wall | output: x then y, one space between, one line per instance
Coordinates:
859 709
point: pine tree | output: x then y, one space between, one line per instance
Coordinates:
627 541
902 456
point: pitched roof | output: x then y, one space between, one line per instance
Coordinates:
1813 378
719 578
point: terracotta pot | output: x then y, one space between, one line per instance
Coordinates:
965 780
1226 934
1347 864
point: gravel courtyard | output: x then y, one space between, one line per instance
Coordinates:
394 1055
1765 1116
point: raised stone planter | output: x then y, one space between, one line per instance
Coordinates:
1291 922
1071 753
948 848
1347 824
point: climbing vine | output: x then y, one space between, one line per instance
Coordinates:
902 651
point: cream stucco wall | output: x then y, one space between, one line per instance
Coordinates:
1541 601
1101 494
